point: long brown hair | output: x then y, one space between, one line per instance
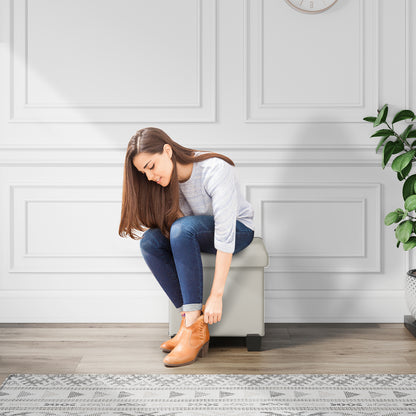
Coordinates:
145 204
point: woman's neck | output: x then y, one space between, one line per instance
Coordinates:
184 171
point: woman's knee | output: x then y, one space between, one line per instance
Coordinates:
151 239
180 228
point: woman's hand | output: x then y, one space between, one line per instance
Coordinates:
213 309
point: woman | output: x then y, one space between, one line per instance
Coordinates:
186 202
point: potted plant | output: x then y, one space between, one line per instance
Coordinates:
402 147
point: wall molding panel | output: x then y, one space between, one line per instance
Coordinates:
313 247
197 105
343 109
39 240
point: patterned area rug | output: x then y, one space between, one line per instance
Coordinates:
209 394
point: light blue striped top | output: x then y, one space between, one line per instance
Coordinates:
213 189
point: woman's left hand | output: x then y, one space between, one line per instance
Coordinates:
213 309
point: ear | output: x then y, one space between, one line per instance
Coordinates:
168 149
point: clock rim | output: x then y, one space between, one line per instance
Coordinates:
289 2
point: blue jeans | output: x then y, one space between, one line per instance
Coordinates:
176 262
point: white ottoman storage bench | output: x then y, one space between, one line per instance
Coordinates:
243 299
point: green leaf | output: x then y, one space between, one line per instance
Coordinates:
370 119
411 134
403 115
398 147
406 132
409 187
410 203
402 214
380 143
403 174
392 218
382 115
404 230
387 153
406 170
383 132
398 244
409 244
401 162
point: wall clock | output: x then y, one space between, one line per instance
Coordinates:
311 6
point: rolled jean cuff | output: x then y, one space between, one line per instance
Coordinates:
192 307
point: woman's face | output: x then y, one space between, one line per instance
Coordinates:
157 167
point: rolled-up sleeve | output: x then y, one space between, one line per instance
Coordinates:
221 187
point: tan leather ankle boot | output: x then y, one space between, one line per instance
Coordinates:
193 343
170 344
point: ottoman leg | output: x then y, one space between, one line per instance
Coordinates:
410 324
253 342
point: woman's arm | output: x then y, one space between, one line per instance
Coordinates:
213 305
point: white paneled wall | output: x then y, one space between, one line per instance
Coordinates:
282 93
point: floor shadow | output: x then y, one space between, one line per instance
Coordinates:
289 335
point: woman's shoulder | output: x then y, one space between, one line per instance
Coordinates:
213 162
215 170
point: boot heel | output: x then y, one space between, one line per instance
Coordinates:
204 350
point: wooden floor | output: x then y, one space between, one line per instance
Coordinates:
134 349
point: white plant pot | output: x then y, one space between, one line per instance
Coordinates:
410 291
